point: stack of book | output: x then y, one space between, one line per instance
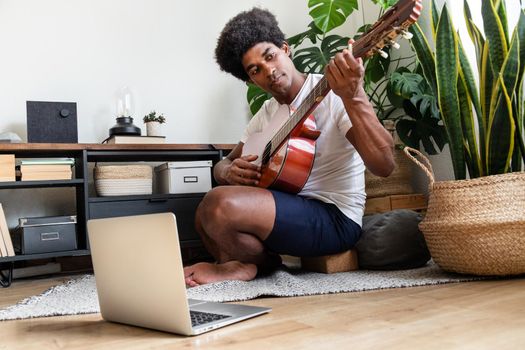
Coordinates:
7 167
131 139
6 245
46 169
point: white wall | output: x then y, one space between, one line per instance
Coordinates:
84 51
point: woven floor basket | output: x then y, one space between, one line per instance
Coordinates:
399 182
475 226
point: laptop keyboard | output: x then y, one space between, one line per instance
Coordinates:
198 318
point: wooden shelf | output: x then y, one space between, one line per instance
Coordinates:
182 205
23 257
151 197
41 184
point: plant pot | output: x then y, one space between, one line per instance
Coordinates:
399 182
475 226
153 129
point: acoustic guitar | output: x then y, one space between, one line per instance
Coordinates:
286 147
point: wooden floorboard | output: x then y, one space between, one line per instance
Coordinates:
473 315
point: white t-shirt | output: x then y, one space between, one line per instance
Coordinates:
338 172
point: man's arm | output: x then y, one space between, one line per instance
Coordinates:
373 142
236 169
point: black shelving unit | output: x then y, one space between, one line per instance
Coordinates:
89 206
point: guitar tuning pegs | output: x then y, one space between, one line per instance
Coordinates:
393 44
382 53
406 35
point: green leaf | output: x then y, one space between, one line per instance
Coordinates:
474 32
427 104
424 55
447 68
434 18
311 34
502 14
500 146
502 121
385 4
256 97
414 129
521 37
310 60
406 84
495 34
376 68
333 44
314 59
330 14
468 126
472 97
486 85
519 115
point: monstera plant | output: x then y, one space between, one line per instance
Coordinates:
396 87
483 120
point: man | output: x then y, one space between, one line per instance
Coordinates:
246 227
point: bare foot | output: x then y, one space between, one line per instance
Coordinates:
202 273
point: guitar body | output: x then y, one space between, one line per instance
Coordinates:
288 168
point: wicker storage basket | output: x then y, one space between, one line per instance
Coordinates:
123 180
475 226
399 182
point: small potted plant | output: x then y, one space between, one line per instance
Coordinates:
153 122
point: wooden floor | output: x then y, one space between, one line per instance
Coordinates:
474 315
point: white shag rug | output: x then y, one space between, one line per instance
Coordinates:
79 295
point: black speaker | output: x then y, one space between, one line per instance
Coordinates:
51 122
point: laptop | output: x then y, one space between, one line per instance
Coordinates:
140 278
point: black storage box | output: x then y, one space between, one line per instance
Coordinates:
45 234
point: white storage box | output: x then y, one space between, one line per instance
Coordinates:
184 177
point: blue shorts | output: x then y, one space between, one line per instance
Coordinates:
309 227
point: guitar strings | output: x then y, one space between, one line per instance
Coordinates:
296 116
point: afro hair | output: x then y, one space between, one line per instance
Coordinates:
243 32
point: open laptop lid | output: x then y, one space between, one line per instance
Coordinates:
130 256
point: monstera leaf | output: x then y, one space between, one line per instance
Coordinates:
311 34
330 14
385 3
376 68
314 59
256 97
416 128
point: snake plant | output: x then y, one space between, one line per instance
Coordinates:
483 119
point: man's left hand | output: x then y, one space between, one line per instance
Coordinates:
345 75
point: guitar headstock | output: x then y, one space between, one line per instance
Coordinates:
392 24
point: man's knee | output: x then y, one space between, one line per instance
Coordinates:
216 207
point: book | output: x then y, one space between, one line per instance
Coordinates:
5 233
7 159
30 168
3 247
129 139
7 167
47 175
27 161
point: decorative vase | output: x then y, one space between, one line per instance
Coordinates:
153 129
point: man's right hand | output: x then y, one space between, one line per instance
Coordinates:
241 171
